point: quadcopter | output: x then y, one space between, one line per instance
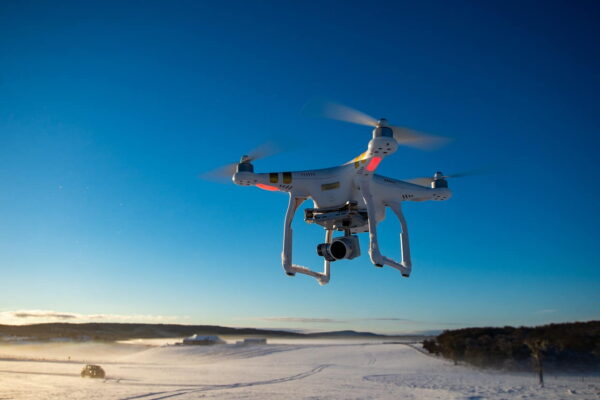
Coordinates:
350 198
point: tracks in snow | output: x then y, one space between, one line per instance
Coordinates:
204 388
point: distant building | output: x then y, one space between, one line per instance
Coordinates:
203 340
252 341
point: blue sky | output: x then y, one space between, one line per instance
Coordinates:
110 110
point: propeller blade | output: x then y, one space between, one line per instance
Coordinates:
339 112
222 174
419 140
404 136
426 181
478 171
264 150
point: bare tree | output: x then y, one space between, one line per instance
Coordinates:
537 348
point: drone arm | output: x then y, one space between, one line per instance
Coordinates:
376 257
286 256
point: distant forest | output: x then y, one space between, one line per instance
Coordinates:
568 346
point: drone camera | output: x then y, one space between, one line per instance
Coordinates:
343 247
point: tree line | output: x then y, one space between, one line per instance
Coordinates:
566 346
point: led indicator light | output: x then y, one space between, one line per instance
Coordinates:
266 187
372 166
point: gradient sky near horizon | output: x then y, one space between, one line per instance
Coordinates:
110 110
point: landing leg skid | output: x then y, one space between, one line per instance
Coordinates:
404 245
286 256
377 258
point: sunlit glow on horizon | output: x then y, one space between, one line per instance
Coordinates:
25 317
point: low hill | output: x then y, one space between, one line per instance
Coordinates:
124 331
344 334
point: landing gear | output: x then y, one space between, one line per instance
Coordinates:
376 257
286 256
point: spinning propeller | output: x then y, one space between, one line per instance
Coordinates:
223 174
427 181
404 136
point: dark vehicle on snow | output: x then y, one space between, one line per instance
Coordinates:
92 371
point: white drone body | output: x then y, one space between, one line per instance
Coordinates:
349 198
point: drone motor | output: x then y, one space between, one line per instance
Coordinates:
439 181
244 165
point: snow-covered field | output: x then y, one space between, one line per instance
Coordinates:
293 370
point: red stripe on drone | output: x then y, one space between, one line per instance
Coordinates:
372 166
266 187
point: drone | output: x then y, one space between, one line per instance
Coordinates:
350 198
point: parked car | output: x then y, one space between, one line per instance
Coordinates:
92 371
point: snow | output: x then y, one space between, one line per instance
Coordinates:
287 370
